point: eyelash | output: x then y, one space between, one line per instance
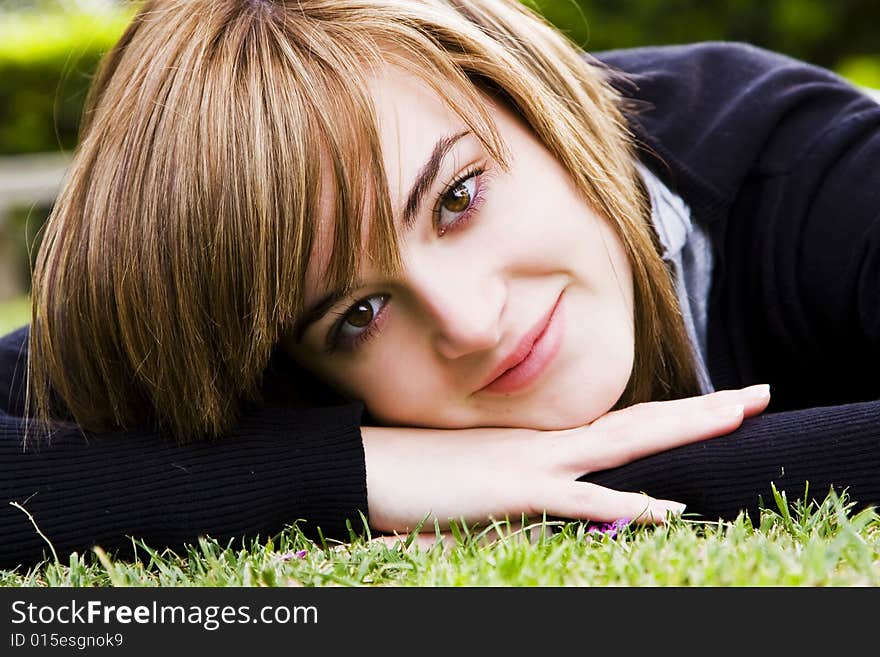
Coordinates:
334 341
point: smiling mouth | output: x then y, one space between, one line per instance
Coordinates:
533 355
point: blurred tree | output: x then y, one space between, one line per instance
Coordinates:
47 59
91 6
49 48
823 32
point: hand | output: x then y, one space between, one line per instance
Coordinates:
475 475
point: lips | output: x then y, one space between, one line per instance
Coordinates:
533 354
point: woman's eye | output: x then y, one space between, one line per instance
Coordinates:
355 322
456 202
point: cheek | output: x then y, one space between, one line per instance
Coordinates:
545 202
525 229
397 381
557 228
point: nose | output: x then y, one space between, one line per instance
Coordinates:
463 307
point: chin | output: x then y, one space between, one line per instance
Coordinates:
571 411
550 420
545 411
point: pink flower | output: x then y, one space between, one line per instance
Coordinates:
287 556
609 529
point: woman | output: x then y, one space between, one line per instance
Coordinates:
493 248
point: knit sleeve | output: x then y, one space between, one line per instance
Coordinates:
805 453
281 465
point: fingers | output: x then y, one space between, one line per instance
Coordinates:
573 500
753 398
419 541
644 429
585 501
485 533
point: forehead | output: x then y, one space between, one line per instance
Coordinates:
410 118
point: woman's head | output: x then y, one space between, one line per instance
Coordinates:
242 159
490 253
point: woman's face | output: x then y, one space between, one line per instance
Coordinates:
514 307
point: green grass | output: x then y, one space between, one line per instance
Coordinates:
14 313
823 544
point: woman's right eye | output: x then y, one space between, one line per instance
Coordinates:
358 323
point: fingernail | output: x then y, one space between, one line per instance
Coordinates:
660 508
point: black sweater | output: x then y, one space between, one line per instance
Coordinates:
779 159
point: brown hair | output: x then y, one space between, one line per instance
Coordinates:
175 256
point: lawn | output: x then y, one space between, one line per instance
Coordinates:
794 545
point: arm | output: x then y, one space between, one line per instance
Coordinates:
89 490
836 446
780 160
279 466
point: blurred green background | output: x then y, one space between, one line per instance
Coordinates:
49 50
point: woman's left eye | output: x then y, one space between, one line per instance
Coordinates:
458 202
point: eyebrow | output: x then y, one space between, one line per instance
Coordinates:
426 177
423 183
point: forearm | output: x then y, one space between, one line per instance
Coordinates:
279 467
835 446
